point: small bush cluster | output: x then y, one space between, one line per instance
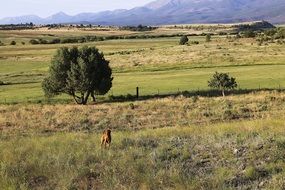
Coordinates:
139 28
13 43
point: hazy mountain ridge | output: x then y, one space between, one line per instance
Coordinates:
173 12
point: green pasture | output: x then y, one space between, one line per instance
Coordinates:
162 82
155 65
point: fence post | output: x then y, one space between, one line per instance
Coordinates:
137 92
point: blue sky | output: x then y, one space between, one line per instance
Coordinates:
46 8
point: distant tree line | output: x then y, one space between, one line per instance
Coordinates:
17 26
139 28
199 27
96 38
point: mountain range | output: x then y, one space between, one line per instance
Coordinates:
162 12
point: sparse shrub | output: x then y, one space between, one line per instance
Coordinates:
208 37
71 40
254 173
207 113
132 106
55 41
43 41
130 97
34 42
147 143
237 36
251 173
195 99
245 112
127 142
13 43
222 81
262 107
183 40
23 43
230 114
281 143
249 34
194 42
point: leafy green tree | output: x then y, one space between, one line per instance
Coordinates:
222 81
183 40
208 37
79 73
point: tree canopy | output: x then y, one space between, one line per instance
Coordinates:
222 81
79 73
183 40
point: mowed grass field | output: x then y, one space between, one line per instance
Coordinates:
155 65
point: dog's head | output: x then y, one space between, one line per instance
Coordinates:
108 131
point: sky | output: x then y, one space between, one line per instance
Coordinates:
45 8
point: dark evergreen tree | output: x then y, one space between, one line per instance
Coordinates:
79 73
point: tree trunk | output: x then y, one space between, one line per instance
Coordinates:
85 98
223 92
76 98
93 96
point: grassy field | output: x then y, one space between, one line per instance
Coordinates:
170 143
146 63
187 140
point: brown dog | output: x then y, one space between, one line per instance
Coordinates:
106 138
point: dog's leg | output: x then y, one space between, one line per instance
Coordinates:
105 144
102 142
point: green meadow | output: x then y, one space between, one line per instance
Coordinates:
155 65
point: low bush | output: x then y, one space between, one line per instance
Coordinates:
13 43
